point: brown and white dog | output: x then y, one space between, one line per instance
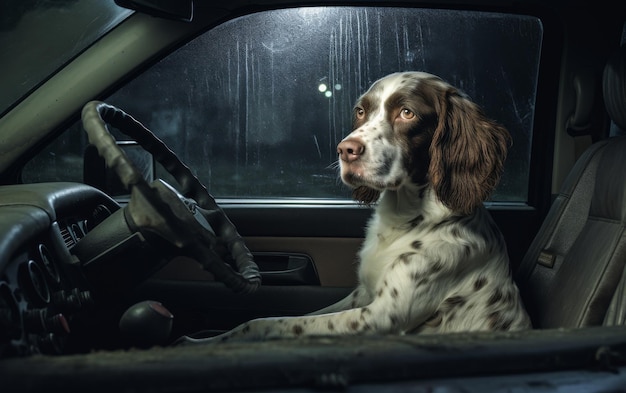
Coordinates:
432 260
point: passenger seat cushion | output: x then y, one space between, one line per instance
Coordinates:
573 267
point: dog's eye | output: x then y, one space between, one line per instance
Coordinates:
359 113
407 114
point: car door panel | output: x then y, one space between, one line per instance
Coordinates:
300 273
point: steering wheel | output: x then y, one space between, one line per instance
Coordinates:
189 220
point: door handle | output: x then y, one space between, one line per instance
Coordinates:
280 268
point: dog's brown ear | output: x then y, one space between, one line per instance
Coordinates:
365 195
467 153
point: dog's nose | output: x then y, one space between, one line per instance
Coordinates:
350 150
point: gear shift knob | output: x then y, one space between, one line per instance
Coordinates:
146 324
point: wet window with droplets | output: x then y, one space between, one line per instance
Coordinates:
256 106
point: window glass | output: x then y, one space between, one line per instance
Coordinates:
257 105
37 37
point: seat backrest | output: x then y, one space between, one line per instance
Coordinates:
573 273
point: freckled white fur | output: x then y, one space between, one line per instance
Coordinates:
423 268
458 273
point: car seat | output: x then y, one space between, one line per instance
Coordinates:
573 272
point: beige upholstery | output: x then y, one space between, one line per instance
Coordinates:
573 274
573 267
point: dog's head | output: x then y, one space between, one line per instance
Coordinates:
412 127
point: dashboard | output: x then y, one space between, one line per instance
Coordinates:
71 267
43 290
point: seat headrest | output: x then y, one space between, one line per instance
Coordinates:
614 87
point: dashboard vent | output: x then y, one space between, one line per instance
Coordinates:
67 237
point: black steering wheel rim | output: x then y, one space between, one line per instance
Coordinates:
241 274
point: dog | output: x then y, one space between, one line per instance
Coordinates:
432 261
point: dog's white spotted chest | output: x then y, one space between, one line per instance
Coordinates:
374 256
388 239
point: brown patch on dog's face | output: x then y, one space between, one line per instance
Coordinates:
393 125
